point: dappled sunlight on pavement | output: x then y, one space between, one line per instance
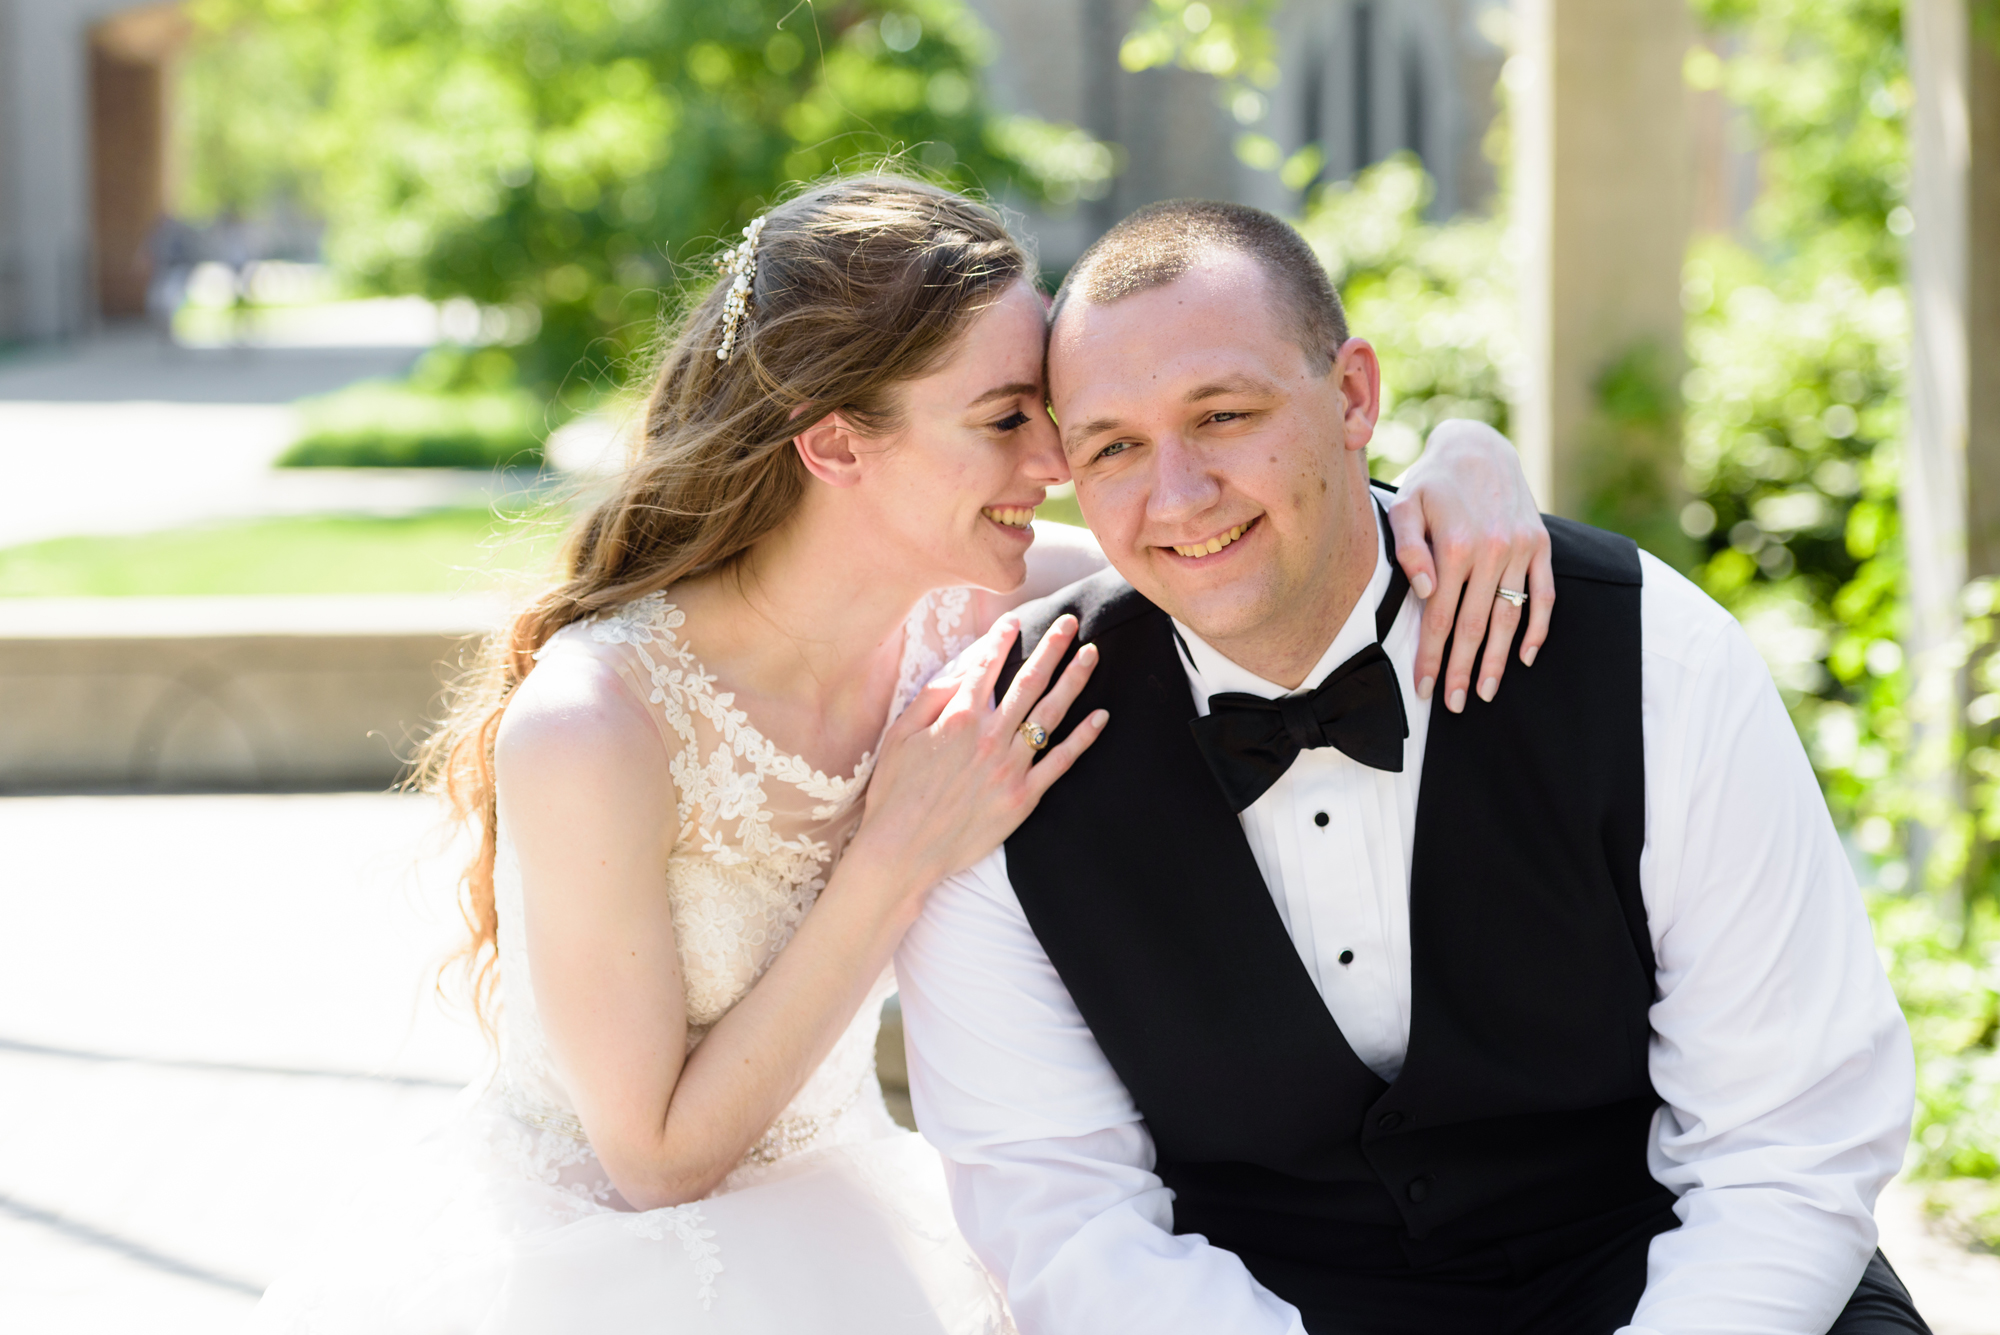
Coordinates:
215 1012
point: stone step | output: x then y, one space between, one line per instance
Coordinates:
225 694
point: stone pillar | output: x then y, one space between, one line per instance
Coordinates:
48 219
1983 300
1603 201
1950 497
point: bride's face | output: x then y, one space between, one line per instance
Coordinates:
955 489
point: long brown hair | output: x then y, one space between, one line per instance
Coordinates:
862 284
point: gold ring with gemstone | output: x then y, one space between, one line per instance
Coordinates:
1037 736
1514 596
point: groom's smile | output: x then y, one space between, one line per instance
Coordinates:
1221 465
1199 550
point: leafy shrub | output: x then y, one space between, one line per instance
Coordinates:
1795 412
1951 997
379 424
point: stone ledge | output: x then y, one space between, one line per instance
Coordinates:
223 694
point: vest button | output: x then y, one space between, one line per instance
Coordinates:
1420 1189
1389 1121
1320 818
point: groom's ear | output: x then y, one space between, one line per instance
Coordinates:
828 448
1359 376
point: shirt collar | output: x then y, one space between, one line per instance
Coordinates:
1211 673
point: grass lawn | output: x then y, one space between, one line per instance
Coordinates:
443 551
1061 506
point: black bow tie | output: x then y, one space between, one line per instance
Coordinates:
1249 741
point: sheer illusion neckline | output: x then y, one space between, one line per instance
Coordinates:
795 762
656 621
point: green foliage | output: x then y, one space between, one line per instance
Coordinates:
564 157
1795 399
1235 42
455 411
238 160
1794 410
1631 442
1952 1000
1437 300
1827 88
1230 39
380 424
1796 413
443 551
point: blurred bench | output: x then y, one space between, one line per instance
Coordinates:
223 694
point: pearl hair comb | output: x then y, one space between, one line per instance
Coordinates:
741 261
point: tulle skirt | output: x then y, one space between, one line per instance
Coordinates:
493 1227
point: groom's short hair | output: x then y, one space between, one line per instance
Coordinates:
1160 242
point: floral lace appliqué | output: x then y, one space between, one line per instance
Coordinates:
686 1223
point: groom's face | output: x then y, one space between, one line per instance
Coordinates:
1220 465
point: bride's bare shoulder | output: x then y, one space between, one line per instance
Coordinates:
575 724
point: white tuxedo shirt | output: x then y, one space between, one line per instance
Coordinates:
1778 1049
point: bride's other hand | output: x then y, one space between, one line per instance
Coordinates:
1467 526
957 773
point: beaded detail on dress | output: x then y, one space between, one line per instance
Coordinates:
758 830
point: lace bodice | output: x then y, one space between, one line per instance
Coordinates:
758 831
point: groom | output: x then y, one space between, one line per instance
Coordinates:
1302 1006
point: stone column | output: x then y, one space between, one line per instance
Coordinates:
1603 201
1950 496
1983 299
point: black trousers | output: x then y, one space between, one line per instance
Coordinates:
1503 1291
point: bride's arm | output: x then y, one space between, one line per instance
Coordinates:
586 795
1466 525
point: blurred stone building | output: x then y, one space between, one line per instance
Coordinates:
83 159
1364 79
85 168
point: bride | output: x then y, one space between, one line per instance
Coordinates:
717 768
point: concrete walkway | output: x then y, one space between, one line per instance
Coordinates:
127 432
215 1010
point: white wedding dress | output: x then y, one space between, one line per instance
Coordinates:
505 1223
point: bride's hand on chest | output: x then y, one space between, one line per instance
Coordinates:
958 771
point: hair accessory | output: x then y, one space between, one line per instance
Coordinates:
741 261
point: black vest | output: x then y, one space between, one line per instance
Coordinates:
1523 1105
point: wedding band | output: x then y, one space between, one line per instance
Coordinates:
1514 596
1036 735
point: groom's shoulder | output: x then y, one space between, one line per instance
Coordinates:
1578 551
1101 603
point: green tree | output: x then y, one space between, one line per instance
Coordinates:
1797 344
1438 301
1827 87
1797 411
564 158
